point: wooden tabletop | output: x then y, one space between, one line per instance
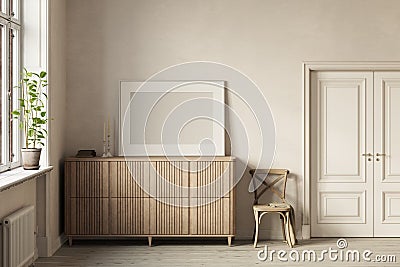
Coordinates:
154 158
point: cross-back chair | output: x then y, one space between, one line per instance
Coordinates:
273 180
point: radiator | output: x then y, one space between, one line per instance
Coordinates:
19 237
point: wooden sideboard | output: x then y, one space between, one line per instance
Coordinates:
106 197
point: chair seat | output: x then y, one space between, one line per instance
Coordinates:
272 207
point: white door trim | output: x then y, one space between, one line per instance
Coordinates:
309 66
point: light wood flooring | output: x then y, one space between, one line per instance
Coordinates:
199 252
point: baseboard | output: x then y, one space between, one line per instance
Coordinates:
46 250
244 238
57 243
42 246
270 234
306 231
35 255
266 234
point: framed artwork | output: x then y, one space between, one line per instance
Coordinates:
172 118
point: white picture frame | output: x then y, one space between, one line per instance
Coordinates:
215 91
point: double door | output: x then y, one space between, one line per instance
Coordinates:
355 154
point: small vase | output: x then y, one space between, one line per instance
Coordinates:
31 158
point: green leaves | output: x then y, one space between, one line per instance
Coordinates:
21 102
32 111
31 132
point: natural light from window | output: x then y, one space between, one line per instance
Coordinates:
10 68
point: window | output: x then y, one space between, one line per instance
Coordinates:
10 69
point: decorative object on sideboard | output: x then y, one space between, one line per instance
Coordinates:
107 141
32 116
86 153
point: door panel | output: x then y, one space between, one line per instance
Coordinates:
387 142
342 131
344 207
342 178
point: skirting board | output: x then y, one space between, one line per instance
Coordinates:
44 251
57 243
306 231
42 247
268 234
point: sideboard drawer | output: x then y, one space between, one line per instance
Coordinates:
87 179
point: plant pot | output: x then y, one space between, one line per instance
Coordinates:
31 158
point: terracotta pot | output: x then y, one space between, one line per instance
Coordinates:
30 158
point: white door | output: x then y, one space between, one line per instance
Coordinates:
342 171
387 154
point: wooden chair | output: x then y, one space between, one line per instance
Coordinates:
273 180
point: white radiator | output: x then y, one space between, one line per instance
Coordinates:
19 237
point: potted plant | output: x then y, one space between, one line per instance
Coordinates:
32 116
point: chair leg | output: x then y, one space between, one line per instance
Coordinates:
256 233
292 227
283 227
288 237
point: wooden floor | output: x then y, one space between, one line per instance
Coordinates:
208 253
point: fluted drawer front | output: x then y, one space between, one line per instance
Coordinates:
168 219
141 179
130 216
87 179
211 179
215 218
169 179
147 216
88 216
129 179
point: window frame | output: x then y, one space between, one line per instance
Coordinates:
10 160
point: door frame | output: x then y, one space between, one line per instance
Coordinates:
308 67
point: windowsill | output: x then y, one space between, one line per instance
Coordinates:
17 176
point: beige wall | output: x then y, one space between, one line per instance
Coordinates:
57 127
17 197
268 40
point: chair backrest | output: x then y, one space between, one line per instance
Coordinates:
273 180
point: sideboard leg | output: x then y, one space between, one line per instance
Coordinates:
149 239
70 241
229 241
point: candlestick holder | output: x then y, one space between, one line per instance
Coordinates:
109 146
104 149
